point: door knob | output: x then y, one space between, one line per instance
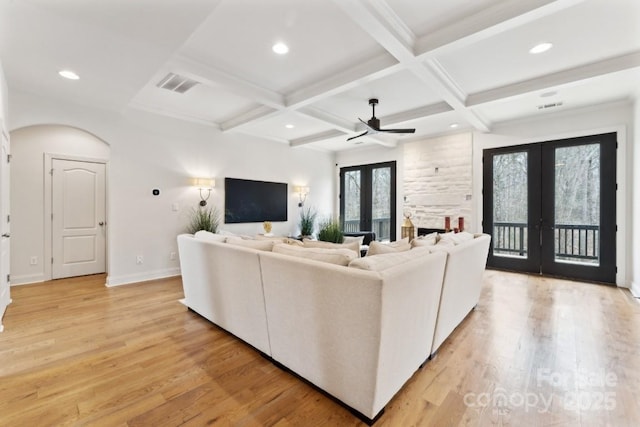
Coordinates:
101 223
6 235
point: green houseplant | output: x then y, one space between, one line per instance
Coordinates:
307 221
330 231
204 218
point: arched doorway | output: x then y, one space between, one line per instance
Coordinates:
56 229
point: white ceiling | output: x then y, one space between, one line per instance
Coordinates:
430 63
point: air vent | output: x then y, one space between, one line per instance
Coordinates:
551 105
176 83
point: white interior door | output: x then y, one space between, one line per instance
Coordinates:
78 225
5 245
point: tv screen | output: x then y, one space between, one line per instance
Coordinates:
254 201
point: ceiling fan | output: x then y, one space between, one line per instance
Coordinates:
373 124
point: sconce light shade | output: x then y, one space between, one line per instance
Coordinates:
302 192
204 183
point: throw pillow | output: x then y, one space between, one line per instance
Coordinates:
383 261
376 248
455 238
209 236
261 245
354 246
428 240
332 256
351 239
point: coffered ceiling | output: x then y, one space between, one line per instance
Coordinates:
432 64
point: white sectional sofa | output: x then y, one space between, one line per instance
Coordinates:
357 334
461 285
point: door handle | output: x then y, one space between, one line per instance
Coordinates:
6 235
101 223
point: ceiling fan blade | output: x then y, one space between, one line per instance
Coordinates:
398 130
358 136
372 129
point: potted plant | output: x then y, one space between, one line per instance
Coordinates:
307 221
330 231
204 218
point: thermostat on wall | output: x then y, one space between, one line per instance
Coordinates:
156 192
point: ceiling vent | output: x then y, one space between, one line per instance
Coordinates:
551 105
176 83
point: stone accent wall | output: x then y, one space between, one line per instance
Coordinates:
438 181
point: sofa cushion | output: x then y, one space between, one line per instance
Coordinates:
338 256
351 239
376 248
261 245
428 240
209 236
455 238
383 261
354 245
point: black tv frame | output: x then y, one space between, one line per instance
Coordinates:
255 201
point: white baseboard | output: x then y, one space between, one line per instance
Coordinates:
27 279
635 289
142 277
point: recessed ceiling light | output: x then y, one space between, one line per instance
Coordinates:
280 48
453 125
289 126
548 94
539 48
68 74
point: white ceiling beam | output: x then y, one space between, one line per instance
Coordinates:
219 79
248 117
382 29
416 113
336 122
439 81
363 72
572 75
297 142
346 127
489 22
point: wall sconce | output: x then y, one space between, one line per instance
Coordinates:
204 184
302 192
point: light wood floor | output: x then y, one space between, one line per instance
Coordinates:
536 352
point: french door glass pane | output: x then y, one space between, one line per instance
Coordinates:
577 204
510 207
381 202
352 200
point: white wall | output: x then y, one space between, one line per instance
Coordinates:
634 269
149 151
615 117
5 297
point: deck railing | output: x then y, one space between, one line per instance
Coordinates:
572 242
510 238
380 226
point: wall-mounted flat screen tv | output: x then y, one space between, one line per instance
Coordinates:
254 201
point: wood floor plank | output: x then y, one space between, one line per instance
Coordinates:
75 352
